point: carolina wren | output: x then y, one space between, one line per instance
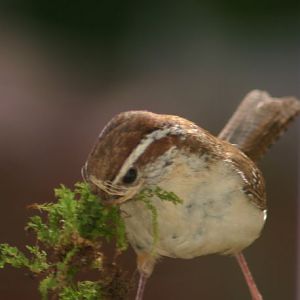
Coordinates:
223 192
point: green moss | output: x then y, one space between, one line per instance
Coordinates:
69 238
69 234
85 290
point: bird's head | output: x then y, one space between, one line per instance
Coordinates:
134 150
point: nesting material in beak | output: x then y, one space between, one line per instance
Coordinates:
117 193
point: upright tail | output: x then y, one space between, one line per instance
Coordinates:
259 121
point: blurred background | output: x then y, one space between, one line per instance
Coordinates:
67 67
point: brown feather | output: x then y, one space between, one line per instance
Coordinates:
259 121
126 130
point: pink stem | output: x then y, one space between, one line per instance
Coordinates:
256 295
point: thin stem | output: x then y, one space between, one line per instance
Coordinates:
256 295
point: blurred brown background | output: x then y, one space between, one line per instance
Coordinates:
66 67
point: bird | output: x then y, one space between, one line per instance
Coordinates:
223 194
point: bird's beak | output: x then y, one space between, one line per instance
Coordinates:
107 197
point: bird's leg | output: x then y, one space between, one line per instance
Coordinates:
256 295
141 287
145 264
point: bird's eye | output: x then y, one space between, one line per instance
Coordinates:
130 176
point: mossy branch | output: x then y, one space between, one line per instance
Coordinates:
69 241
70 234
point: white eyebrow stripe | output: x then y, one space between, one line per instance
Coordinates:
143 145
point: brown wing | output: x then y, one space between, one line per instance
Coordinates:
254 184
